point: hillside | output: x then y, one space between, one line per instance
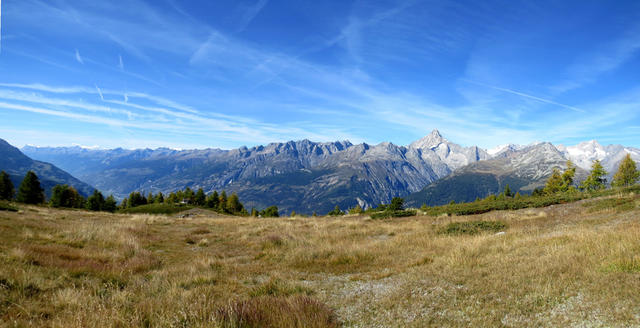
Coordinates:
565 265
16 164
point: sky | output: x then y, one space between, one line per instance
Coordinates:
225 74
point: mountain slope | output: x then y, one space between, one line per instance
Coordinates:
16 164
523 170
297 175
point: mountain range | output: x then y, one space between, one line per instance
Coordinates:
16 164
308 176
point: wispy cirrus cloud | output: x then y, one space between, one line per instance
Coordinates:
79 58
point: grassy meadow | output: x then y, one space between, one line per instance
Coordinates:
575 264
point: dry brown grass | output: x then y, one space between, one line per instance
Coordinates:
565 265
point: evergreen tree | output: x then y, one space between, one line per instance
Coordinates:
597 178
136 199
254 212
123 204
95 202
110 204
213 200
6 186
189 195
336 211
567 177
627 174
30 191
151 198
159 198
293 214
233 204
554 183
199 198
222 204
356 210
507 191
397 204
270 212
172 199
66 196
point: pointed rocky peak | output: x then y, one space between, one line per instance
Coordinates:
430 141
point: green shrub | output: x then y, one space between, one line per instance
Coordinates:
473 227
393 214
6 206
619 204
156 209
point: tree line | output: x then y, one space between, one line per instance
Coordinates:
30 191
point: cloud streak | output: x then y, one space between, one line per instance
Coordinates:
79 58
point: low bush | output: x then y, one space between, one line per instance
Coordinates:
6 206
393 214
619 204
156 209
473 227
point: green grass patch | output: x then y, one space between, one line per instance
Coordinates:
619 204
156 209
276 287
473 227
393 214
487 205
626 266
6 206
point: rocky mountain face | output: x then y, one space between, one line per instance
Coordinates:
17 164
583 155
522 169
308 176
303 176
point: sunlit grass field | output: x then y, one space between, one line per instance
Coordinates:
575 264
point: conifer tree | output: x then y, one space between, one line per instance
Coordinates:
189 195
110 204
597 178
554 183
627 174
293 214
30 191
507 191
213 200
222 204
66 196
233 204
95 202
336 211
199 198
567 177
6 186
159 198
397 204
254 212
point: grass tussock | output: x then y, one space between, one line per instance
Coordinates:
278 312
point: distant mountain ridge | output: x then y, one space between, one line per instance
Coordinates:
297 175
308 176
17 164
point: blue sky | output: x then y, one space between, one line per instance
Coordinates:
194 74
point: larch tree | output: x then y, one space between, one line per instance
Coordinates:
627 174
